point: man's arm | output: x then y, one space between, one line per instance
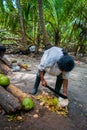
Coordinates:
65 86
44 83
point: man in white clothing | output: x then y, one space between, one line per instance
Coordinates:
57 62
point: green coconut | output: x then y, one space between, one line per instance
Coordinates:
2 75
55 101
27 103
4 81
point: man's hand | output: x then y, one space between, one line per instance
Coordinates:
44 83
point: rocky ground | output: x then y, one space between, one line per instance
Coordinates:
47 120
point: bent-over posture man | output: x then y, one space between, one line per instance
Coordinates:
57 62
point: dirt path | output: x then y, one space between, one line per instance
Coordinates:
77 94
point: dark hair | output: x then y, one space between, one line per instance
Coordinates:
66 63
2 49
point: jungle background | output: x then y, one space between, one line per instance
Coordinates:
57 22
46 23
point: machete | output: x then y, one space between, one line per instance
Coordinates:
60 94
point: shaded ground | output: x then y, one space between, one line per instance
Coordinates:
47 120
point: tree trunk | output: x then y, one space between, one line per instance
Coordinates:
17 92
8 102
4 68
22 26
57 38
45 35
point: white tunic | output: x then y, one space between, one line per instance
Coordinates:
49 62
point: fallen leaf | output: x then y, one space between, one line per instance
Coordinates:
35 115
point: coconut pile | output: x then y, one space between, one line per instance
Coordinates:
51 103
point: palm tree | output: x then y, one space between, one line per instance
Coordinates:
42 23
54 17
22 25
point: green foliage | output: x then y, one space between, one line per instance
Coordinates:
64 19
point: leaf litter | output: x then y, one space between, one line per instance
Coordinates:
51 103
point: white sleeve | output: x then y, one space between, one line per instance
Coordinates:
66 75
43 62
